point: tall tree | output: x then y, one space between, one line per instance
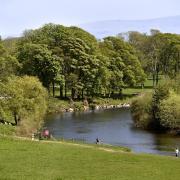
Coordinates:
123 60
37 60
25 99
9 65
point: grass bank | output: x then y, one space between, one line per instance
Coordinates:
23 159
56 105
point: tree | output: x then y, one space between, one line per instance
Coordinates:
161 92
123 60
24 99
10 45
159 53
9 65
170 58
74 47
38 61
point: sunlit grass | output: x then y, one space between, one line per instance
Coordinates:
37 160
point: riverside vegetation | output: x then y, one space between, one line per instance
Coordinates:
159 110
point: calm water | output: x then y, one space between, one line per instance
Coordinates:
114 127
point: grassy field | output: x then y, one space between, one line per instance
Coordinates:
7 129
23 159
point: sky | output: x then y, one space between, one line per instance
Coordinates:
19 15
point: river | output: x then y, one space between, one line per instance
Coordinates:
112 126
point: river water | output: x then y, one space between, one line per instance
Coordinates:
112 126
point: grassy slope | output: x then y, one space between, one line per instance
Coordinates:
33 160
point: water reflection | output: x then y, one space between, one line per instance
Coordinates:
114 127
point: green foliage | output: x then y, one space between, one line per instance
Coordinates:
161 92
37 60
123 61
176 84
25 99
170 55
158 53
169 112
141 109
78 106
9 65
161 110
7 130
89 39
55 105
85 65
10 45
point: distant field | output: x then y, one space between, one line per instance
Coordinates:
148 86
22 159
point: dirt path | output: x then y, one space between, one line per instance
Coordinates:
99 147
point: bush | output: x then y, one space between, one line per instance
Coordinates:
161 110
78 106
55 105
141 109
169 112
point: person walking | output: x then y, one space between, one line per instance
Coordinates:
97 141
177 152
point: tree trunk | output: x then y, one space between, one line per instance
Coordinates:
154 71
157 75
82 94
61 92
15 118
120 92
53 86
79 96
153 79
65 90
73 93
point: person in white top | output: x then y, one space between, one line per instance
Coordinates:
177 152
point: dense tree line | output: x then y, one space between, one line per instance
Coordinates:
74 59
158 52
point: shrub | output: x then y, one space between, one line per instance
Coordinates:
169 112
141 109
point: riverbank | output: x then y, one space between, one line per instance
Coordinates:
59 106
52 160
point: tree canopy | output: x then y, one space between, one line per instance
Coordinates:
74 59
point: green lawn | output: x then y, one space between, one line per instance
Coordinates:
136 90
7 129
23 160
148 86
